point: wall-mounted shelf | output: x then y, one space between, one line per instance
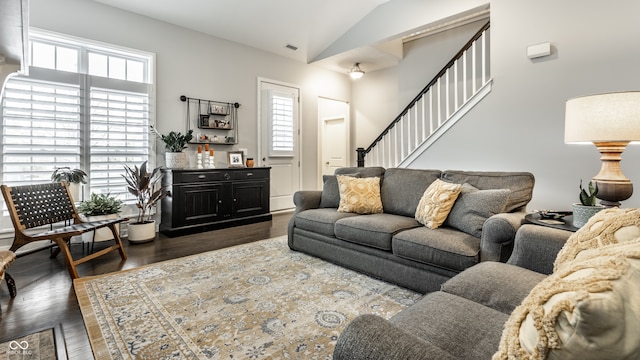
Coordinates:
212 122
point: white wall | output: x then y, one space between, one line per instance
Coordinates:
200 66
520 125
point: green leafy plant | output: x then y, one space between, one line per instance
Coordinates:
144 186
100 204
588 198
75 176
175 141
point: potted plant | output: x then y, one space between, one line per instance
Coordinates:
174 143
144 186
587 207
99 207
73 177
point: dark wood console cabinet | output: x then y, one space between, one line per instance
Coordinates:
209 199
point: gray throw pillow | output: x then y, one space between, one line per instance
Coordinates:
330 197
474 206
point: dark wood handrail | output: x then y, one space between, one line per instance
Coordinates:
467 46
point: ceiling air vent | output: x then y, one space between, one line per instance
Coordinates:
291 47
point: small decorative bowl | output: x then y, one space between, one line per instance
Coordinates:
553 214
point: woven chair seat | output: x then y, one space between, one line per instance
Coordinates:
33 206
75 229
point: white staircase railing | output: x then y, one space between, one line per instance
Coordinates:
461 84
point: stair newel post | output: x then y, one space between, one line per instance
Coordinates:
361 154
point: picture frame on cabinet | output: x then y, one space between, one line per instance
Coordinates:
235 159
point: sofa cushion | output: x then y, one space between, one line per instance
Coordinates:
370 337
330 197
321 221
520 184
589 308
402 189
461 327
609 226
375 230
443 247
436 203
497 285
473 207
360 196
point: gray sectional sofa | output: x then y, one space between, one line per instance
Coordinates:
465 319
561 295
392 245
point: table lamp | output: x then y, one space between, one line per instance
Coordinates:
610 121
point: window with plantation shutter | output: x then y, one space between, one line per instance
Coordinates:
281 125
84 105
119 134
41 127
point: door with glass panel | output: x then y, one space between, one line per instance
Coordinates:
279 121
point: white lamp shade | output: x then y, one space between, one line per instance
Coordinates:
603 117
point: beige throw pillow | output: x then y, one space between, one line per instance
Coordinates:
436 203
359 195
589 309
609 226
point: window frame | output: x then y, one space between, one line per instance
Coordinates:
88 82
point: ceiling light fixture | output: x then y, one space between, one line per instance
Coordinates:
356 72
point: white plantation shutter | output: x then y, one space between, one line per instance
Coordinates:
119 134
41 129
77 111
282 125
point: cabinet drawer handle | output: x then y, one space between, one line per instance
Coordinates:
202 176
249 174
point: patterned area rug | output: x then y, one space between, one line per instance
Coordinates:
254 301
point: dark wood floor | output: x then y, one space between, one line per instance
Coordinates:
45 292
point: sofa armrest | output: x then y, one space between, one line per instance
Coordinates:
306 199
370 337
536 247
303 200
498 234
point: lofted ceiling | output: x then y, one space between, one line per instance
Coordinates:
309 25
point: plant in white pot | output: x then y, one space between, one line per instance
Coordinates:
145 187
73 177
174 143
99 207
587 207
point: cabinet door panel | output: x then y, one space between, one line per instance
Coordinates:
250 198
200 203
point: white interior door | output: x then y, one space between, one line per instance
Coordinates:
334 145
279 140
334 150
